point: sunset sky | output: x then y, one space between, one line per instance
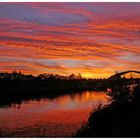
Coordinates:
94 39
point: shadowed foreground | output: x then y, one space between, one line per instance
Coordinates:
120 119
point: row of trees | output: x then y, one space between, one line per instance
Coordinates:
19 76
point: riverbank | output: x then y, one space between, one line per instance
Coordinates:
120 119
18 91
16 87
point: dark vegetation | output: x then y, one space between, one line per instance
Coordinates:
15 86
119 119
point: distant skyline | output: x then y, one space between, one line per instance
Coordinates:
94 39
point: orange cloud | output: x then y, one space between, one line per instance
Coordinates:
103 36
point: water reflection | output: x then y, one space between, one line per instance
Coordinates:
58 117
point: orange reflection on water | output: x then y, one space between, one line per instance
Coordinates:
59 117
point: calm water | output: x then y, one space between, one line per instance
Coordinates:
58 117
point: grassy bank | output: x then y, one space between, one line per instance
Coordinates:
120 119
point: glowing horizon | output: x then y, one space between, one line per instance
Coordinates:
94 39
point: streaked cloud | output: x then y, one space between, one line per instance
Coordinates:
94 39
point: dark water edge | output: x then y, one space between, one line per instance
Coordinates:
120 119
7 99
15 91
